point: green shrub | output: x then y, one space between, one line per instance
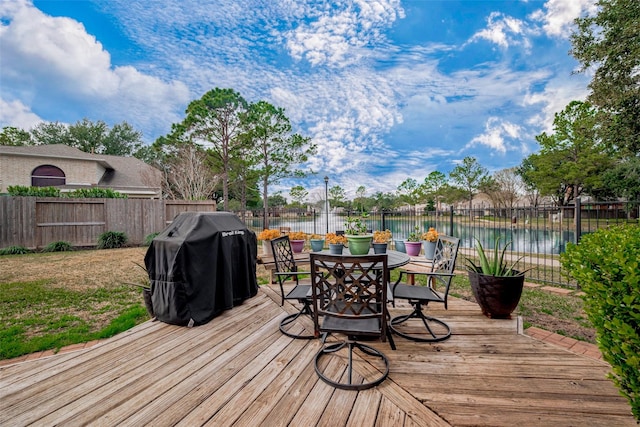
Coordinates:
60 246
112 240
15 250
20 190
149 238
81 193
103 193
606 264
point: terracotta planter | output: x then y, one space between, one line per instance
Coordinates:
413 248
297 246
497 296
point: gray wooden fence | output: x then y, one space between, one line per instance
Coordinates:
34 222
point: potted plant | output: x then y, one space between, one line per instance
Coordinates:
336 243
413 243
380 241
359 240
496 284
430 239
317 242
297 239
267 235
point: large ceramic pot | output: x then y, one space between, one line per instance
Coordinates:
359 244
297 246
413 248
317 244
429 249
497 296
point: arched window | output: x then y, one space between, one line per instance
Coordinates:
47 176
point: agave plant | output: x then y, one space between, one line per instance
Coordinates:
496 265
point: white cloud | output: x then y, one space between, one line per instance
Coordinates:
15 113
55 58
556 96
497 131
336 36
502 30
558 15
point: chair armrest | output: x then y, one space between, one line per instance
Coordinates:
291 273
430 274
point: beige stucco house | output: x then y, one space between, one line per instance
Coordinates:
68 168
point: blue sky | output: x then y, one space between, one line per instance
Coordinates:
400 88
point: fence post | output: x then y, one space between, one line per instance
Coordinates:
384 225
578 221
451 220
315 218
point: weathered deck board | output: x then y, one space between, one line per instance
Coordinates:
240 370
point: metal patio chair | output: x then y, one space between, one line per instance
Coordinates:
436 290
286 269
349 299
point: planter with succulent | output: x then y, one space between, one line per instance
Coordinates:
413 243
297 239
496 284
336 243
317 242
380 241
267 235
430 240
358 238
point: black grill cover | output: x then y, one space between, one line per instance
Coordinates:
200 265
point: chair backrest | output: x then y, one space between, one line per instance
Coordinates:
444 258
347 289
444 261
284 260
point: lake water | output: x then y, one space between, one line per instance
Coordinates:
524 239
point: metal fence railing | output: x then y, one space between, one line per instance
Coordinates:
538 235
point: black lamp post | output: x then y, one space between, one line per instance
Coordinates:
326 199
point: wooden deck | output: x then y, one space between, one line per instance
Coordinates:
239 369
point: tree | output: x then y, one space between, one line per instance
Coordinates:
15 136
216 121
410 192
609 41
468 176
187 176
120 140
277 200
624 179
433 186
571 159
337 196
509 188
531 192
299 194
360 200
50 133
277 150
